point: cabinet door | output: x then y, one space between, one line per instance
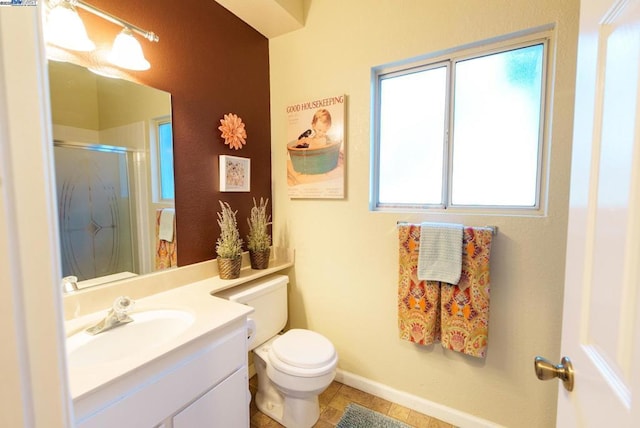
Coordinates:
223 406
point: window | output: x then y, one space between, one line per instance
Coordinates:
163 161
464 130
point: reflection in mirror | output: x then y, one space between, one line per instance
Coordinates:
114 175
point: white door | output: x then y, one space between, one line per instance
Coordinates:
601 325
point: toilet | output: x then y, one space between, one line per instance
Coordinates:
293 368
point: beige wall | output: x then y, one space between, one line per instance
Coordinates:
121 103
82 99
74 99
345 277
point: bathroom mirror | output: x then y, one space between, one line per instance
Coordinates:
114 175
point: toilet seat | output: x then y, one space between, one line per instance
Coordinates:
303 353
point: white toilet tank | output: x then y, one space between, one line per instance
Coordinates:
268 298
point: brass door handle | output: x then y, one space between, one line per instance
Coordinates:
546 370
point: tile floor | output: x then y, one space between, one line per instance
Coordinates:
336 398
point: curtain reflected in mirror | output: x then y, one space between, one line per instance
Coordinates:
114 175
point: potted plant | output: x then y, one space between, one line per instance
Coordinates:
259 240
229 244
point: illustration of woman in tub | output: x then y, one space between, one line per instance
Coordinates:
316 137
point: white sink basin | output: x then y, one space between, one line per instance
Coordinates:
149 329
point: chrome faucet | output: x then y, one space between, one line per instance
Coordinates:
116 316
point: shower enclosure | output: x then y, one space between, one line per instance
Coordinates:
95 211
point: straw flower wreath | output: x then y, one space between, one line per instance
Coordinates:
233 132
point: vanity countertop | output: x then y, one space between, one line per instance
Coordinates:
210 315
92 299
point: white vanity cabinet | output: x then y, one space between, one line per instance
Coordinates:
203 383
220 405
197 377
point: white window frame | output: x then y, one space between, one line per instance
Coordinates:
156 174
450 57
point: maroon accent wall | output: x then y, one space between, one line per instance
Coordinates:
213 64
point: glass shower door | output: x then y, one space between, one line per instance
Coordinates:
94 210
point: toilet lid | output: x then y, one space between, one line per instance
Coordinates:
303 349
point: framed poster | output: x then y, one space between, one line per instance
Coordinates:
235 174
316 148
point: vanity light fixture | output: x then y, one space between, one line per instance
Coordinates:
65 28
126 51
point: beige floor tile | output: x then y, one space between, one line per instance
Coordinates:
399 412
418 420
260 420
339 402
380 405
437 423
331 415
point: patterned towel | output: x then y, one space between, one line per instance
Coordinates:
166 252
429 311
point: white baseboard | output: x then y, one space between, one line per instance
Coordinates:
444 413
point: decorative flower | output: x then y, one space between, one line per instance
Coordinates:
233 131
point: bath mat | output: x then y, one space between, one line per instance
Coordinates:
356 416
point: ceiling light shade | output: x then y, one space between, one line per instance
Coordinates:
127 52
64 28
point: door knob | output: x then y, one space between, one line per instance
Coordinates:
546 370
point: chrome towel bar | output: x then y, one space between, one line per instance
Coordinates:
494 229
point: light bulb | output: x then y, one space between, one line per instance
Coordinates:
64 28
126 52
